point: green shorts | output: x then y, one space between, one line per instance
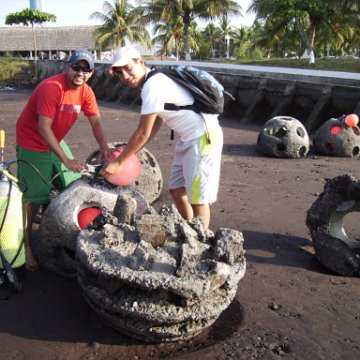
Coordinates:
40 172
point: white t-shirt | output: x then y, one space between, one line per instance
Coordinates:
160 89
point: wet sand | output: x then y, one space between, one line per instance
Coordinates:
287 306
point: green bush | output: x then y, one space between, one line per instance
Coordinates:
15 72
203 53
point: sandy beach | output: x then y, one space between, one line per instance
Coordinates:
287 306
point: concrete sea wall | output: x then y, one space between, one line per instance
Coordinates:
260 93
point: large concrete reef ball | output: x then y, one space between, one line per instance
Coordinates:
162 279
60 226
325 220
335 138
150 182
284 137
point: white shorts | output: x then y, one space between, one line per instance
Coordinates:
196 167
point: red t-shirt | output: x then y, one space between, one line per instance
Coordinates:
53 98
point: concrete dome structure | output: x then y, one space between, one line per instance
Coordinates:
285 137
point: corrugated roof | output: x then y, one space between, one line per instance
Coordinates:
20 38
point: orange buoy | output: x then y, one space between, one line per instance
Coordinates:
129 173
351 120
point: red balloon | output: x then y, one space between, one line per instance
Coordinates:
130 172
87 216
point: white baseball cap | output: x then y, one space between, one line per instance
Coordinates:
123 56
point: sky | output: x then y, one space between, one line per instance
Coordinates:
77 12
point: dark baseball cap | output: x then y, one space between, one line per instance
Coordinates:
82 54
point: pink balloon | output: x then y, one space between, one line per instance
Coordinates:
130 173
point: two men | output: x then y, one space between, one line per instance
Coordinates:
195 170
50 113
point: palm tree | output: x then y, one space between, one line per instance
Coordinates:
277 39
225 29
341 32
212 35
169 34
240 35
194 36
121 21
241 39
188 10
307 15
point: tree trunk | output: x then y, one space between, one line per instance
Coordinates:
35 54
187 21
177 50
312 33
308 41
34 40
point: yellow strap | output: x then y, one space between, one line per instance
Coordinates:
2 139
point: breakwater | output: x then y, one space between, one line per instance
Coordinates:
260 93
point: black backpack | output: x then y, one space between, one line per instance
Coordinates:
208 93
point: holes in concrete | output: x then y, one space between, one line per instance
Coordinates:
327 219
287 118
149 160
330 147
278 132
351 227
344 223
301 132
302 151
355 151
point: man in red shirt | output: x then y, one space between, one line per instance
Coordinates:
50 113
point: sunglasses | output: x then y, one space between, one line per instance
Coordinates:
78 68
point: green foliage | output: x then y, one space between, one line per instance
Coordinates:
121 21
7 54
296 8
29 17
170 35
203 52
15 71
188 10
313 25
246 51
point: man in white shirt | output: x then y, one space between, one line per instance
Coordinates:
195 171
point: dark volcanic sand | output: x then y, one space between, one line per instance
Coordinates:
287 306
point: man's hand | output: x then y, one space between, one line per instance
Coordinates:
75 165
111 168
105 154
